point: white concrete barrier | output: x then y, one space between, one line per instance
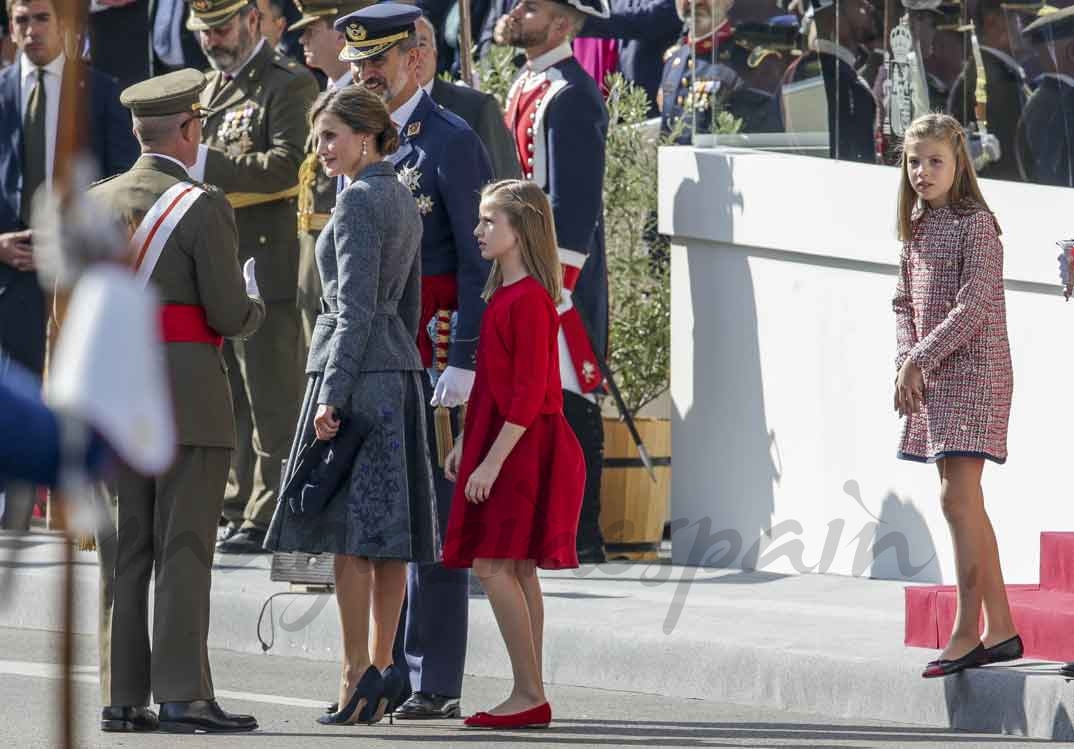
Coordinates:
783 342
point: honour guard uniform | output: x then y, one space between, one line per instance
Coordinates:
186 245
559 121
255 137
1045 135
445 166
707 76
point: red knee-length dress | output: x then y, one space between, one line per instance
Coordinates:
533 507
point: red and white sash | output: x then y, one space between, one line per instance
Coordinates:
158 224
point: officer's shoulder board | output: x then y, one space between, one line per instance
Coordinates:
106 179
287 64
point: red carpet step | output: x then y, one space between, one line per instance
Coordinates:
1043 614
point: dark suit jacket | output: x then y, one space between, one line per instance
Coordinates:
121 41
647 28
484 117
22 305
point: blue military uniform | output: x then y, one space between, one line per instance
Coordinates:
558 119
1045 135
445 165
694 86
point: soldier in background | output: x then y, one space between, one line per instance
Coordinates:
839 51
253 144
321 45
1045 135
706 73
1005 83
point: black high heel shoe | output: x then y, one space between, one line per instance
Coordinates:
945 667
392 696
367 692
1010 649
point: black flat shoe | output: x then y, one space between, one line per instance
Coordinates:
424 706
1010 649
945 667
202 715
362 703
117 719
1067 670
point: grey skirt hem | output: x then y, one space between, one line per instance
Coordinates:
386 508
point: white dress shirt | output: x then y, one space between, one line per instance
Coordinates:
53 77
401 116
342 82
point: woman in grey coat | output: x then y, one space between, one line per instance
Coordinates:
363 370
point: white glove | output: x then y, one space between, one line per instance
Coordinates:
251 279
453 387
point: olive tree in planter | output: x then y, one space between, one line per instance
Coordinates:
633 507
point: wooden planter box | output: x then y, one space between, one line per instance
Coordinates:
633 508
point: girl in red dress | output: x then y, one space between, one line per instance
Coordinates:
518 468
954 378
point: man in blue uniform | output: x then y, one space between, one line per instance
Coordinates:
445 165
1045 137
720 74
559 122
843 29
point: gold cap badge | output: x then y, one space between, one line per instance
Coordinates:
356 32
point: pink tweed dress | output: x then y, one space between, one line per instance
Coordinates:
951 320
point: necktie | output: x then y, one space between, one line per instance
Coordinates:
33 146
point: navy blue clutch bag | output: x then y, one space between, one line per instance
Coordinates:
321 470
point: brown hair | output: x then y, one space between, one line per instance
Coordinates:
530 215
56 11
965 193
362 111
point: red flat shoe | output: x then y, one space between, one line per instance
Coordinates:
536 717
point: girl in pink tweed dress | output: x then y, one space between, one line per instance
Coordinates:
954 378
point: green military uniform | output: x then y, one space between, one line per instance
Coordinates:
256 133
167 525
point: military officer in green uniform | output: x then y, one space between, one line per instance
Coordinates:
321 45
185 244
252 149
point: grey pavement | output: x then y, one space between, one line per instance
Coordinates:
820 645
284 692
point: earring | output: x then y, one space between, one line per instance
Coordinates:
365 147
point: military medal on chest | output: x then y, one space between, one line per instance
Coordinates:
410 176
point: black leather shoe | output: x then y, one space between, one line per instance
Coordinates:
424 706
248 541
224 532
202 715
1067 670
128 719
592 554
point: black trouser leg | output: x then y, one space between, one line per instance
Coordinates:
585 419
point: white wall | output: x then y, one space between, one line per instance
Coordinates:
783 341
